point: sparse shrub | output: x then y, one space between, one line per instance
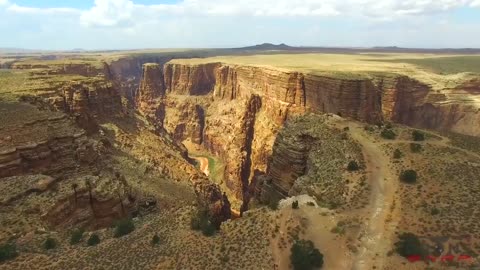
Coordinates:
124 227
408 245
155 240
388 125
76 236
295 205
208 229
201 221
93 240
8 251
397 154
418 136
304 255
369 128
353 166
388 134
434 211
49 243
273 204
310 203
409 176
415 147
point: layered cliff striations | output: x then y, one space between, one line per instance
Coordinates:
236 111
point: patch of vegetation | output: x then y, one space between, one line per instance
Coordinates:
388 125
397 154
295 205
409 176
434 211
49 243
369 128
8 251
340 228
353 166
124 227
200 221
93 240
304 255
155 240
408 245
76 236
418 136
416 148
310 204
388 134
273 203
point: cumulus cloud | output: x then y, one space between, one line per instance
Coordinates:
109 13
3 2
475 3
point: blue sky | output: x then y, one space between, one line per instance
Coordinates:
126 24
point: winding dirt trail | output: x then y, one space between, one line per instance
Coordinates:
376 236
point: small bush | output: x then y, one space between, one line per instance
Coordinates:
418 136
201 221
369 128
388 134
415 147
76 236
409 176
388 125
397 154
353 166
408 245
49 243
295 205
434 211
273 204
124 227
93 240
155 240
310 203
304 256
7 252
208 229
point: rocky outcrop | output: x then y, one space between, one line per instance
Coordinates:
211 198
310 156
87 209
54 146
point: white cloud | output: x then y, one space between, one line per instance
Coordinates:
475 3
31 10
3 2
109 13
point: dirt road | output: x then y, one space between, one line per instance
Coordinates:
377 233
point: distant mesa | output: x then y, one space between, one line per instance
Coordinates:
268 46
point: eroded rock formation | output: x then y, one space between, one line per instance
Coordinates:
236 111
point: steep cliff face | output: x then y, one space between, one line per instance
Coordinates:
150 91
236 111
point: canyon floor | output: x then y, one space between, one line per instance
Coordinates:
156 137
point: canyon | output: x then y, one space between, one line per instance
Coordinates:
236 111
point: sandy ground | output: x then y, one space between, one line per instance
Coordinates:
377 234
203 164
